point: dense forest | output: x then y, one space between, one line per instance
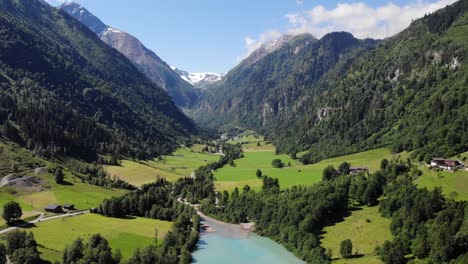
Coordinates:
409 92
65 92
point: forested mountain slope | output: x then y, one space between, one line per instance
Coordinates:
64 91
183 93
411 92
339 95
268 85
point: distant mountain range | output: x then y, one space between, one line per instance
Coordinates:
182 92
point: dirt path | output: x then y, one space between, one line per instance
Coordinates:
41 218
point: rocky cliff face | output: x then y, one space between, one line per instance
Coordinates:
182 92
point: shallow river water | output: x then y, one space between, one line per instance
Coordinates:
230 244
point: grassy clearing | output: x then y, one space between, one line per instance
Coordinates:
260 157
454 184
124 234
83 195
365 236
181 164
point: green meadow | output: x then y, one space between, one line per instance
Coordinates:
180 164
260 157
454 184
124 234
82 195
366 229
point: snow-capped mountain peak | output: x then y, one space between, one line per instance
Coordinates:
199 79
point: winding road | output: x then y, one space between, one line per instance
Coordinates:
41 218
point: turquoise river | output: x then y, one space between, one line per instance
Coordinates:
232 244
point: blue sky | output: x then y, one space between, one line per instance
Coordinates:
214 35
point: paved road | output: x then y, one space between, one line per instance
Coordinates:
41 218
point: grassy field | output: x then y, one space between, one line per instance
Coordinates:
260 157
365 236
451 182
181 164
82 195
124 234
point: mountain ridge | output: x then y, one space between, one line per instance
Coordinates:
157 70
68 93
263 88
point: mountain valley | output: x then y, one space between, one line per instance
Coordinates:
327 150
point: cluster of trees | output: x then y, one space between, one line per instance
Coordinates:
21 247
346 248
12 212
277 163
177 244
157 200
201 187
424 223
96 250
96 175
330 173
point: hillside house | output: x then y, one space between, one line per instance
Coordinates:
446 164
53 208
357 170
69 207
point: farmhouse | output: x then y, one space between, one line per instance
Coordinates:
446 164
53 208
356 170
69 207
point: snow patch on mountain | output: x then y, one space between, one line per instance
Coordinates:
199 79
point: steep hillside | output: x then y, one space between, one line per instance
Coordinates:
409 92
267 85
65 92
146 60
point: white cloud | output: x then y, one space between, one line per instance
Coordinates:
360 19
252 44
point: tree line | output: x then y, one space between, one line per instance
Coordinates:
158 201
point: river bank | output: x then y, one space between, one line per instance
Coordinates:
227 230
